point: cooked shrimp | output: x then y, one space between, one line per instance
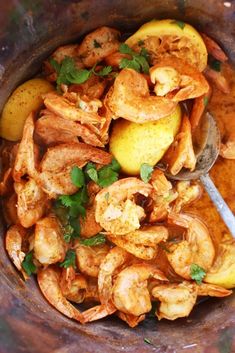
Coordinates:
26 161
98 312
140 251
49 246
73 286
88 224
129 98
141 243
58 162
93 88
48 280
98 44
52 130
32 202
217 79
181 153
130 292
116 258
177 80
162 196
89 258
14 240
6 183
196 248
176 299
199 106
66 109
213 48
188 192
212 290
227 149
131 320
115 211
115 59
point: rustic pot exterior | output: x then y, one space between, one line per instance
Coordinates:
29 31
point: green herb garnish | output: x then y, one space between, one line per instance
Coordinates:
78 177
138 61
96 44
181 24
28 264
96 240
146 172
69 260
67 72
215 65
197 273
205 101
146 340
106 175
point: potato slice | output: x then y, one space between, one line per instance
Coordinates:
133 144
24 99
191 48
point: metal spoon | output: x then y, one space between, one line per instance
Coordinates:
206 156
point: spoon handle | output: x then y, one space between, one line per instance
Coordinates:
223 209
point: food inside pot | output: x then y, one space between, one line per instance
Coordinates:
88 211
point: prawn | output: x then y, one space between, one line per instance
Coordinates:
177 80
14 240
227 149
49 246
130 292
98 44
93 88
26 161
73 286
131 320
58 162
178 299
217 79
213 48
32 202
98 312
196 248
141 243
48 281
187 192
115 211
89 258
199 106
115 258
129 98
181 154
51 130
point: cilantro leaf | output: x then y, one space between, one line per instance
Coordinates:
66 200
28 264
78 76
197 273
205 101
96 44
69 260
215 65
138 61
93 175
78 177
146 172
96 240
181 24
68 233
56 66
105 71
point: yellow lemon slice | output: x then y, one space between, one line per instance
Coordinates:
133 144
171 37
24 99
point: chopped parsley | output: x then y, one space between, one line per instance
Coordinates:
146 172
197 273
106 175
67 72
180 24
215 65
28 264
96 240
138 61
77 177
69 260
